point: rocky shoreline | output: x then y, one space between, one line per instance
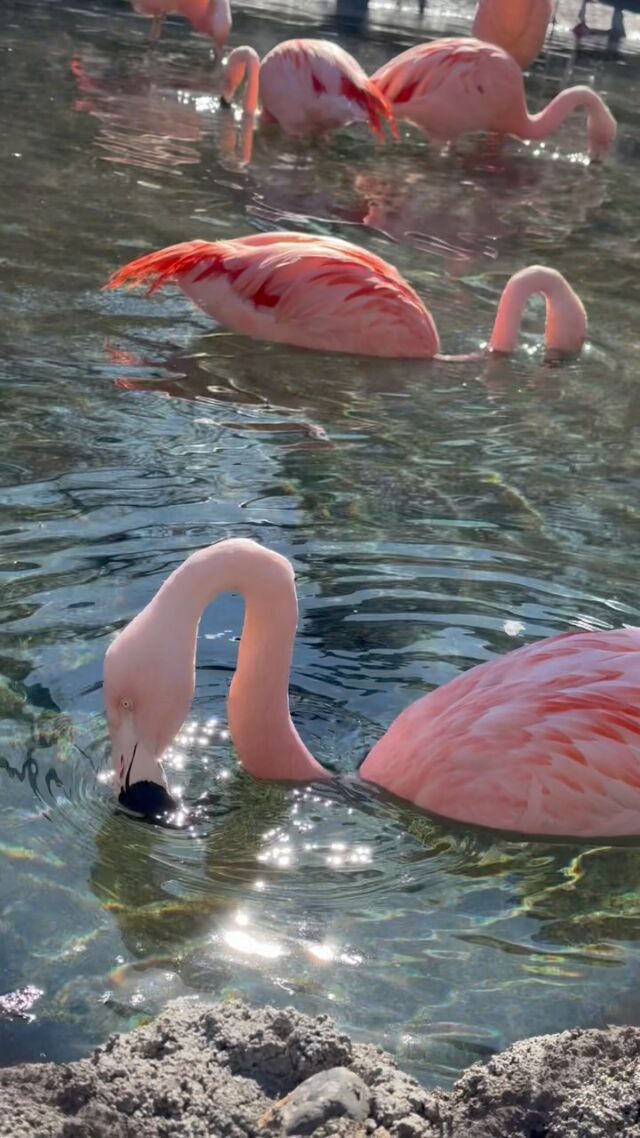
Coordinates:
234 1071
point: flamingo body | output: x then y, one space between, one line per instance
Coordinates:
518 26
452 87
307 86
311 292
544 740
207 17
326 294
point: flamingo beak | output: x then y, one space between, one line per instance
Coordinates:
141 780
148 799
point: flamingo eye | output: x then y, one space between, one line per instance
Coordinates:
126 704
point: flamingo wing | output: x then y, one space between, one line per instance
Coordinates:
544 740
453 86
311 84
312 292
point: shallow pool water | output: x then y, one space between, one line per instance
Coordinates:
452 512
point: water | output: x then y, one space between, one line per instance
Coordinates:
454 512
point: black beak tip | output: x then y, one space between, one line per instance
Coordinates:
148 799
225 102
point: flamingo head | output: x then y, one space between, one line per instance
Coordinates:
148 689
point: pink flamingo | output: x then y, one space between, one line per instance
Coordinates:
207 17
452 87
616 31
518 26
306 86
326 294
544 740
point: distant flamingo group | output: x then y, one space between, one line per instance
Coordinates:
448 88
543 741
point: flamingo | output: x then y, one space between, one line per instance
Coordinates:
452 87
543 740
329 295
617 30
208 17
518 26
306 86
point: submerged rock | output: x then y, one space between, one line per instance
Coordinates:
231 1071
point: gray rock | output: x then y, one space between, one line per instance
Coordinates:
578 1084
220 1072
335 1093
191 1073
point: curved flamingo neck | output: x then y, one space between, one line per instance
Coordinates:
601 125
244 61
263 734
566 319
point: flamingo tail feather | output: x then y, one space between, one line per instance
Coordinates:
376 105
162 266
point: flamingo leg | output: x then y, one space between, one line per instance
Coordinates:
582 27
246 139
618 31
157 24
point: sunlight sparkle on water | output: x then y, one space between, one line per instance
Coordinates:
250 943
324 952
196 734
513 627
280 853
340 854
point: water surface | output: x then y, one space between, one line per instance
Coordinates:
455 512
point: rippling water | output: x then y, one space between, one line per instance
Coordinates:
453 512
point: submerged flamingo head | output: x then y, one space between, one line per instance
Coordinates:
566 319
602 129
242 61
148 689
